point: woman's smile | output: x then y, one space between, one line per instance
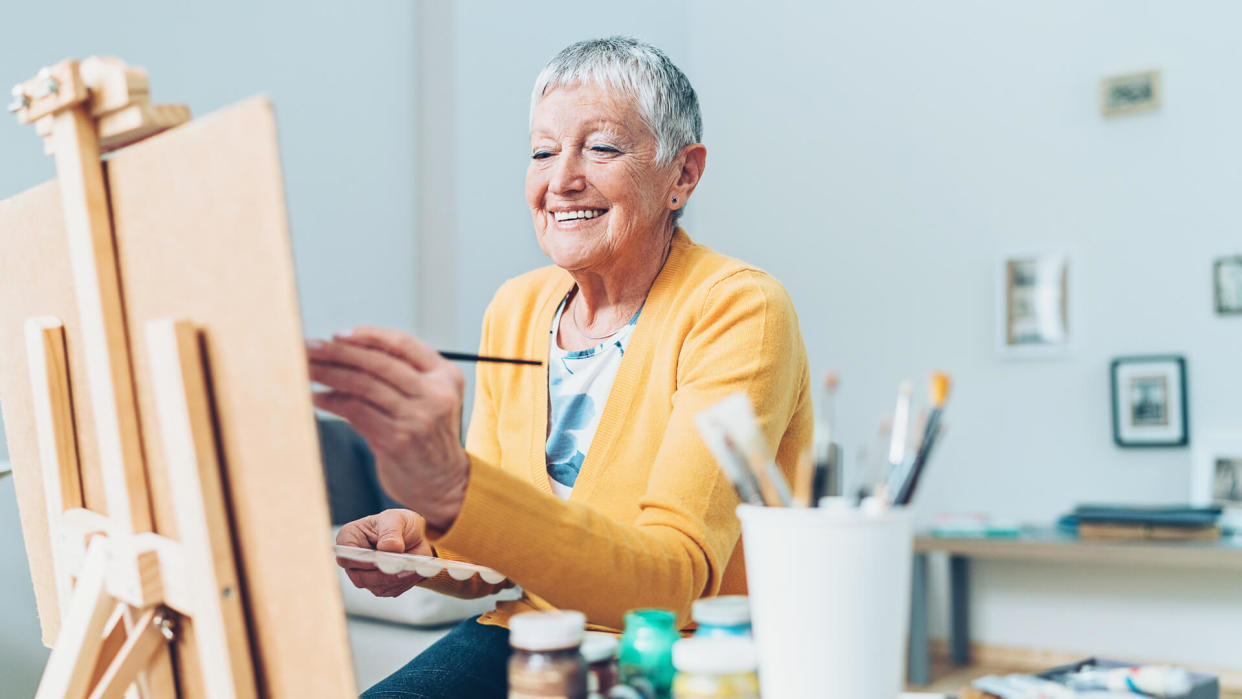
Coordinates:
577 219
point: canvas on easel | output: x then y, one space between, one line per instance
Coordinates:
213 343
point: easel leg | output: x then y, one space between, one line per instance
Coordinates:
74 143
93 257
48 363
179 377
113 642
71 666
144 639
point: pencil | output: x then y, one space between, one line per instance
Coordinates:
463 357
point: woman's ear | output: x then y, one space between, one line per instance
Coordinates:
690 163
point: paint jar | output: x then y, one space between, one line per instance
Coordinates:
599 650
716 667
546 662
728 615
646 660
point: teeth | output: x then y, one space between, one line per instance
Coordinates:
579 214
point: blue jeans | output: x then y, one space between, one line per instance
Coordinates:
470 662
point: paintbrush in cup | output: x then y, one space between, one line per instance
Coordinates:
939 394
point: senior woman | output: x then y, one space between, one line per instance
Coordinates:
585 481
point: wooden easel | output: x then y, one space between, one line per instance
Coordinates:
159 562
131 584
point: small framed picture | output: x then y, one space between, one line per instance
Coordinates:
1149 401
1216 476
1033 305
1227 278
1130 93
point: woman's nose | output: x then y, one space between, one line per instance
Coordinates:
568 174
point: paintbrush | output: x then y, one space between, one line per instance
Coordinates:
901 423
827 453
939 394
729 457
804 480
736 417
463 357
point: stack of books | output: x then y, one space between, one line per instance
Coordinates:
1165 523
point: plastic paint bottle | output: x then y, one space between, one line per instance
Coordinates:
716 667
646 661
599 650
728 615
546 663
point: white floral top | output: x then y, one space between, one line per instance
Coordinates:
578 387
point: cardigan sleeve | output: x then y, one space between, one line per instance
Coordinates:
481 439
744 338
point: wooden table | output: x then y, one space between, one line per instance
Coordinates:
1045 544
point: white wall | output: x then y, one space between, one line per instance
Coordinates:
341 76
878 158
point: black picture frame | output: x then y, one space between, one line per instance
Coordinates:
1167 414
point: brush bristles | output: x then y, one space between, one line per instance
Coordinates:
831 380
939 388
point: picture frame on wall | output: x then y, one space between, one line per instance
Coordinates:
1033 305
1216 477
1227 282
1130 93
1149 401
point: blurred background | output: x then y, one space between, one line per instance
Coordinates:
881 159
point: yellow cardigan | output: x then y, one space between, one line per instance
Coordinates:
651 521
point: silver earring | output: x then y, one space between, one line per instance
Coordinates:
674 200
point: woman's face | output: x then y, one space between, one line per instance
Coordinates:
595 193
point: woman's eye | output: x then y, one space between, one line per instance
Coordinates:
604 149
540 155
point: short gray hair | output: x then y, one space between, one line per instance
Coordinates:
666 101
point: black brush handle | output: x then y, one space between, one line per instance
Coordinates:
463 357
906 492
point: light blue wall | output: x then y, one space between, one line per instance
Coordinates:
879 157
340 75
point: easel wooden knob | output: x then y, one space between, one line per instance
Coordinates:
122 588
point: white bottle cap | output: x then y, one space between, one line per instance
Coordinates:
716 655
597 646
546 630
728 610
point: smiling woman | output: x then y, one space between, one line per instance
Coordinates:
587 484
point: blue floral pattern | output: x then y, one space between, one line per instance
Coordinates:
578 386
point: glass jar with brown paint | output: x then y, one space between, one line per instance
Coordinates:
546 662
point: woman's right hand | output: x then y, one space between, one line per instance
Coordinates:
395 531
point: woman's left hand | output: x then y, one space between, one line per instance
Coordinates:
406 401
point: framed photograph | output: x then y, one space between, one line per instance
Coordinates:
1130 93
1033 305
1149 402
1227 278
1216 477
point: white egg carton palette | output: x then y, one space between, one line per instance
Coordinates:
426 566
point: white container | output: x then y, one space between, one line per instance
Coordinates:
829 599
